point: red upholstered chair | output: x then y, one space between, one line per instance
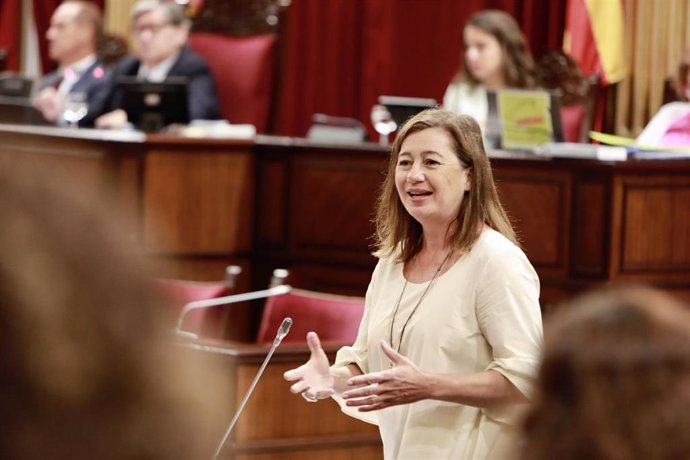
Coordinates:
334 318
244 69
209 322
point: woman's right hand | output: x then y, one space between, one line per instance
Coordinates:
314 378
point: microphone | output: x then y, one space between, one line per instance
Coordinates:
282 332
217 301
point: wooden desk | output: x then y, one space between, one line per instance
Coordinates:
276 424
281 202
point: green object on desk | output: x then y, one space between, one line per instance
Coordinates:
525 121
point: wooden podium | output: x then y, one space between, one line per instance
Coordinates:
277 424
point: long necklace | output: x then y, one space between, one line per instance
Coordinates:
414 309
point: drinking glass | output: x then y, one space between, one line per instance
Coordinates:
383 122
75 108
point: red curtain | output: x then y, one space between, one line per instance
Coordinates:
340 55
10 31
43 10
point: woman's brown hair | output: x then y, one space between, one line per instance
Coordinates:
394 225
519 68
615 380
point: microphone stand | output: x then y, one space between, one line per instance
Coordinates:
282 332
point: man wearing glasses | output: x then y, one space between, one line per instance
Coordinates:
160 32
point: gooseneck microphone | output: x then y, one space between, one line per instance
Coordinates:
282 332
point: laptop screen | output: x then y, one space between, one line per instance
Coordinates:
520 118
12 85
401 108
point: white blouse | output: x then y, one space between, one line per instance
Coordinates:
470 100
482 314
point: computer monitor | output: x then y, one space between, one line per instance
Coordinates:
13 85
18 110
151 106
523 118
402 108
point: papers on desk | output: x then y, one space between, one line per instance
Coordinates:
218 129
584 151
642 151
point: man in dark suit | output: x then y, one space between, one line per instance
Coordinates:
76 28
160 31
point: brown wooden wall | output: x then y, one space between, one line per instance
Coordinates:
283 202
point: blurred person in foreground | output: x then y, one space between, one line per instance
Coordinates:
160 30
88 370
451 334
76 29
615 380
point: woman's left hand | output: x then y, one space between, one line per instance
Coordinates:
404 383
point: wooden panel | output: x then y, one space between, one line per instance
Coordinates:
336 279
128 171
315 420
360 453
272 202
581 221
199 268
589 228
82 165
333 203
538 204
276 424
656 225
98 168
197 202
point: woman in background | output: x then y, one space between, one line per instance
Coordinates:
615 380
495 56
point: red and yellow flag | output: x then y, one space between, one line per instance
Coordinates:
594 38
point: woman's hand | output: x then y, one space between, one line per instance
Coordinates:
405 383
314 379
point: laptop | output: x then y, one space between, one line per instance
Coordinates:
401 108
152 106
13 85
523 119
15 101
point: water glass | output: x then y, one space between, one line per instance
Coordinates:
75 108
383 122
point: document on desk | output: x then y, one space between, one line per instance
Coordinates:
219 129
642 151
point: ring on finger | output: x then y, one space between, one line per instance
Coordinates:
308 398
